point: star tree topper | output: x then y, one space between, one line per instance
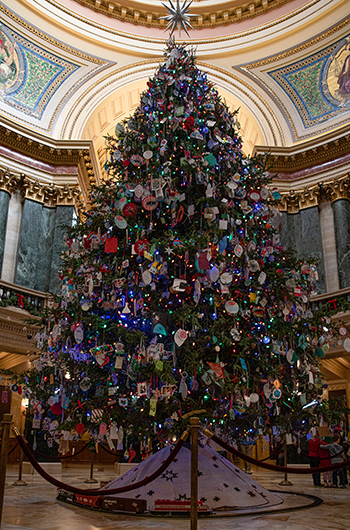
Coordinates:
178 16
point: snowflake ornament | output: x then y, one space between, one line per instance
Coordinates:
178 16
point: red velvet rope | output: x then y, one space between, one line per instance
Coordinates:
57 458
295 470
93 492
13 448
324 457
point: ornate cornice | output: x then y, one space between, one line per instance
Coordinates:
330 191
314 152
225 13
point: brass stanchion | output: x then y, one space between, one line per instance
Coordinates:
285 482
7 420
20 482
194 472
91 480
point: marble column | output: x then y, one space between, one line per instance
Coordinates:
29 251
44 249
4 208
13 228
341 212
64 217
329 247
302 232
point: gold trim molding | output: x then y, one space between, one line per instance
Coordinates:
226 14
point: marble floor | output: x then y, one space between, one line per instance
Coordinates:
34 507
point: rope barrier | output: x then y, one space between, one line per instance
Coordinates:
26 450
271 467
324 457
13 448
275 452
53 457
116 454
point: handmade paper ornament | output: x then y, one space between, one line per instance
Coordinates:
231 307
238 250
214 274
147 277
148 154
103 429
120 222
85 384
120 438
180 337
56 409
262 277
254 398
79 334
142 389
346 344
226 278
276 394
96 415
218 369
159 329
253 265
183 388
51 401
153 406
342 330
150 203
118 362
123 402
254 195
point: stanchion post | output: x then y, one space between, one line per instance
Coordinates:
7 420
194 472
20 482
285 482
91 480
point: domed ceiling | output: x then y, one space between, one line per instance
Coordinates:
70 69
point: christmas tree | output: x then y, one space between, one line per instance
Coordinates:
177 295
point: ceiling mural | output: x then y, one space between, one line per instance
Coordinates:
318 85
29 75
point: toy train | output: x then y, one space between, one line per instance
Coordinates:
133 506
179 507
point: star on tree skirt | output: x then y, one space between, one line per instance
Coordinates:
178 16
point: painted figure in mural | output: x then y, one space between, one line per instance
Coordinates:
8 68
344 77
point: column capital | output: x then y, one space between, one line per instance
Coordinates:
327 191
31 188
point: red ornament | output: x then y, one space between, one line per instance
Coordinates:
111 245
80 428
141 246
129 209
126 163
189 123
56 409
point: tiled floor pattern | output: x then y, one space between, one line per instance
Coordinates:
34 507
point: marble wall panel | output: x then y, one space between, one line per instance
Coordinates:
64 217
302 232
4 208
341 212
44 249
29 251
